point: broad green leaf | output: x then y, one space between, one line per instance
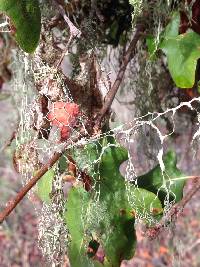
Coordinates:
76 209
167 185
26 19
122 201
119 239
110 214
44 186
107 213
182 53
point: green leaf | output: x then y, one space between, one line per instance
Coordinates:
151 46
145 204
109 215
172 28
76 209
86 157
26 18
167 185
44 186
120 199
182 53
119 239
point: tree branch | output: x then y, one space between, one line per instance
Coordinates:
173 213
24 190
112 92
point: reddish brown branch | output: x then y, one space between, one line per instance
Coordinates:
172 215
24 190
128 56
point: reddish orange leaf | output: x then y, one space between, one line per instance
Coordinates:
64 115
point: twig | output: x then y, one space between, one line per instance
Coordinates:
74 31
128 56
24 190
9 141
174 211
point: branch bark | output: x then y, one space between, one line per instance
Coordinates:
112 92
173 213
24 190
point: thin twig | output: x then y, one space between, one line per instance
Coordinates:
128 56
74 31
24 190
9 141
173 213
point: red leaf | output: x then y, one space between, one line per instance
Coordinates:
64 115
